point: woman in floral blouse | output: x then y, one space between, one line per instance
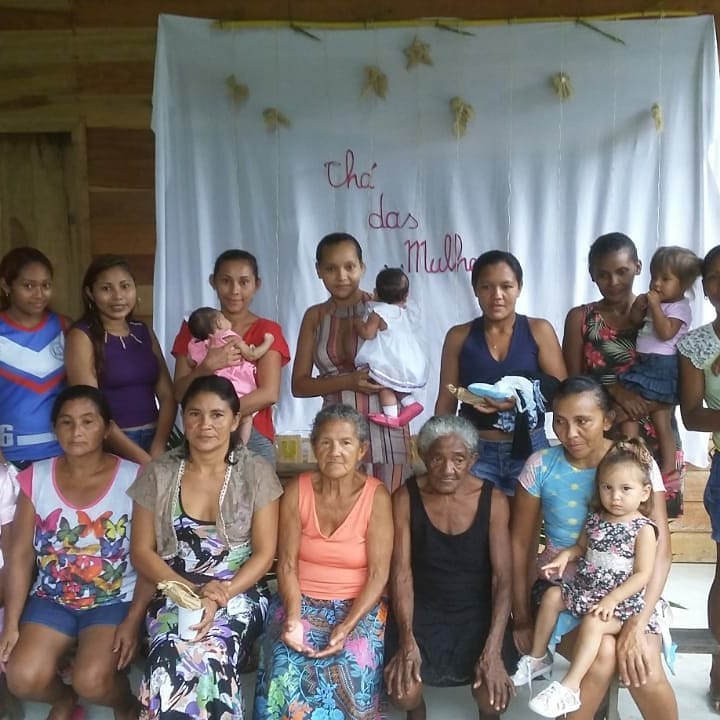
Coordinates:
599 340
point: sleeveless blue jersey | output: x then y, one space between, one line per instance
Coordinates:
32 373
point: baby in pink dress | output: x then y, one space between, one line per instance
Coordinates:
211 329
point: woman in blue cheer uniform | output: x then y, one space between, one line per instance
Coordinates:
32 373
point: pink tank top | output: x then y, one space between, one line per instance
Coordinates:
333 567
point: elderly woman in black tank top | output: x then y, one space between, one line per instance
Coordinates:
499 343
450 578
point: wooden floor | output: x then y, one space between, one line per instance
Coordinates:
690 534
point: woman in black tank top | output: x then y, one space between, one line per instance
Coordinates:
450 578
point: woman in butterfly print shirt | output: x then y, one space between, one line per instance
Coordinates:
73 524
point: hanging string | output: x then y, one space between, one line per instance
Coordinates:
419 156
373 119
457 40
661 47
237 128
277 175
332 105
613 155
560 217
512 46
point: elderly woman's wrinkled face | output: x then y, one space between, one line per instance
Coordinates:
208 421
338 449
448 461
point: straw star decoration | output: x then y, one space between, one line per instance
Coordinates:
463 113
417 53
376 82
563 86
657 116
274 119
238 92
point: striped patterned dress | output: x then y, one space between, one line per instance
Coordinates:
336 345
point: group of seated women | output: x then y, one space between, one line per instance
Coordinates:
454 548
99 537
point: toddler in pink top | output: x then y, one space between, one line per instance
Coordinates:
211 329
663 316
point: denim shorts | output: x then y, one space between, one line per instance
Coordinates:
262 446
711 498
142 436
495 463
69 621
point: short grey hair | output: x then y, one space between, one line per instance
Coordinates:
340 413
444 425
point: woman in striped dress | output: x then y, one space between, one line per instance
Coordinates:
328 340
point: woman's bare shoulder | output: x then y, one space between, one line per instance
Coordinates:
576 312
314 314
458 333
540 324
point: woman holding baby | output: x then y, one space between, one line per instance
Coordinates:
235 279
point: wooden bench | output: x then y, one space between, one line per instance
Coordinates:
689 641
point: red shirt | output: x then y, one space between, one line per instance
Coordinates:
254 335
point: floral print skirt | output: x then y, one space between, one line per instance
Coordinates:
185 679
292 686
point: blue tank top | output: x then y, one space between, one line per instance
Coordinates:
476 364
32 373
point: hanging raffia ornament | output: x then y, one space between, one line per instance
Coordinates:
463 113
181 594
563 86
274 119
657 116
376 82
417 53
237 91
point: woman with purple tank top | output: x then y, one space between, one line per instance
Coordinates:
499 343
107 349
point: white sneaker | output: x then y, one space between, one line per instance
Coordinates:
555 700
530 667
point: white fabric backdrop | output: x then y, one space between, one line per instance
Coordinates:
534 175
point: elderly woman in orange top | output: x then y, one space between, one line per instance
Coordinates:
324 641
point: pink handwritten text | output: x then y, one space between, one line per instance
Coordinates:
390 219
343 175
451 260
